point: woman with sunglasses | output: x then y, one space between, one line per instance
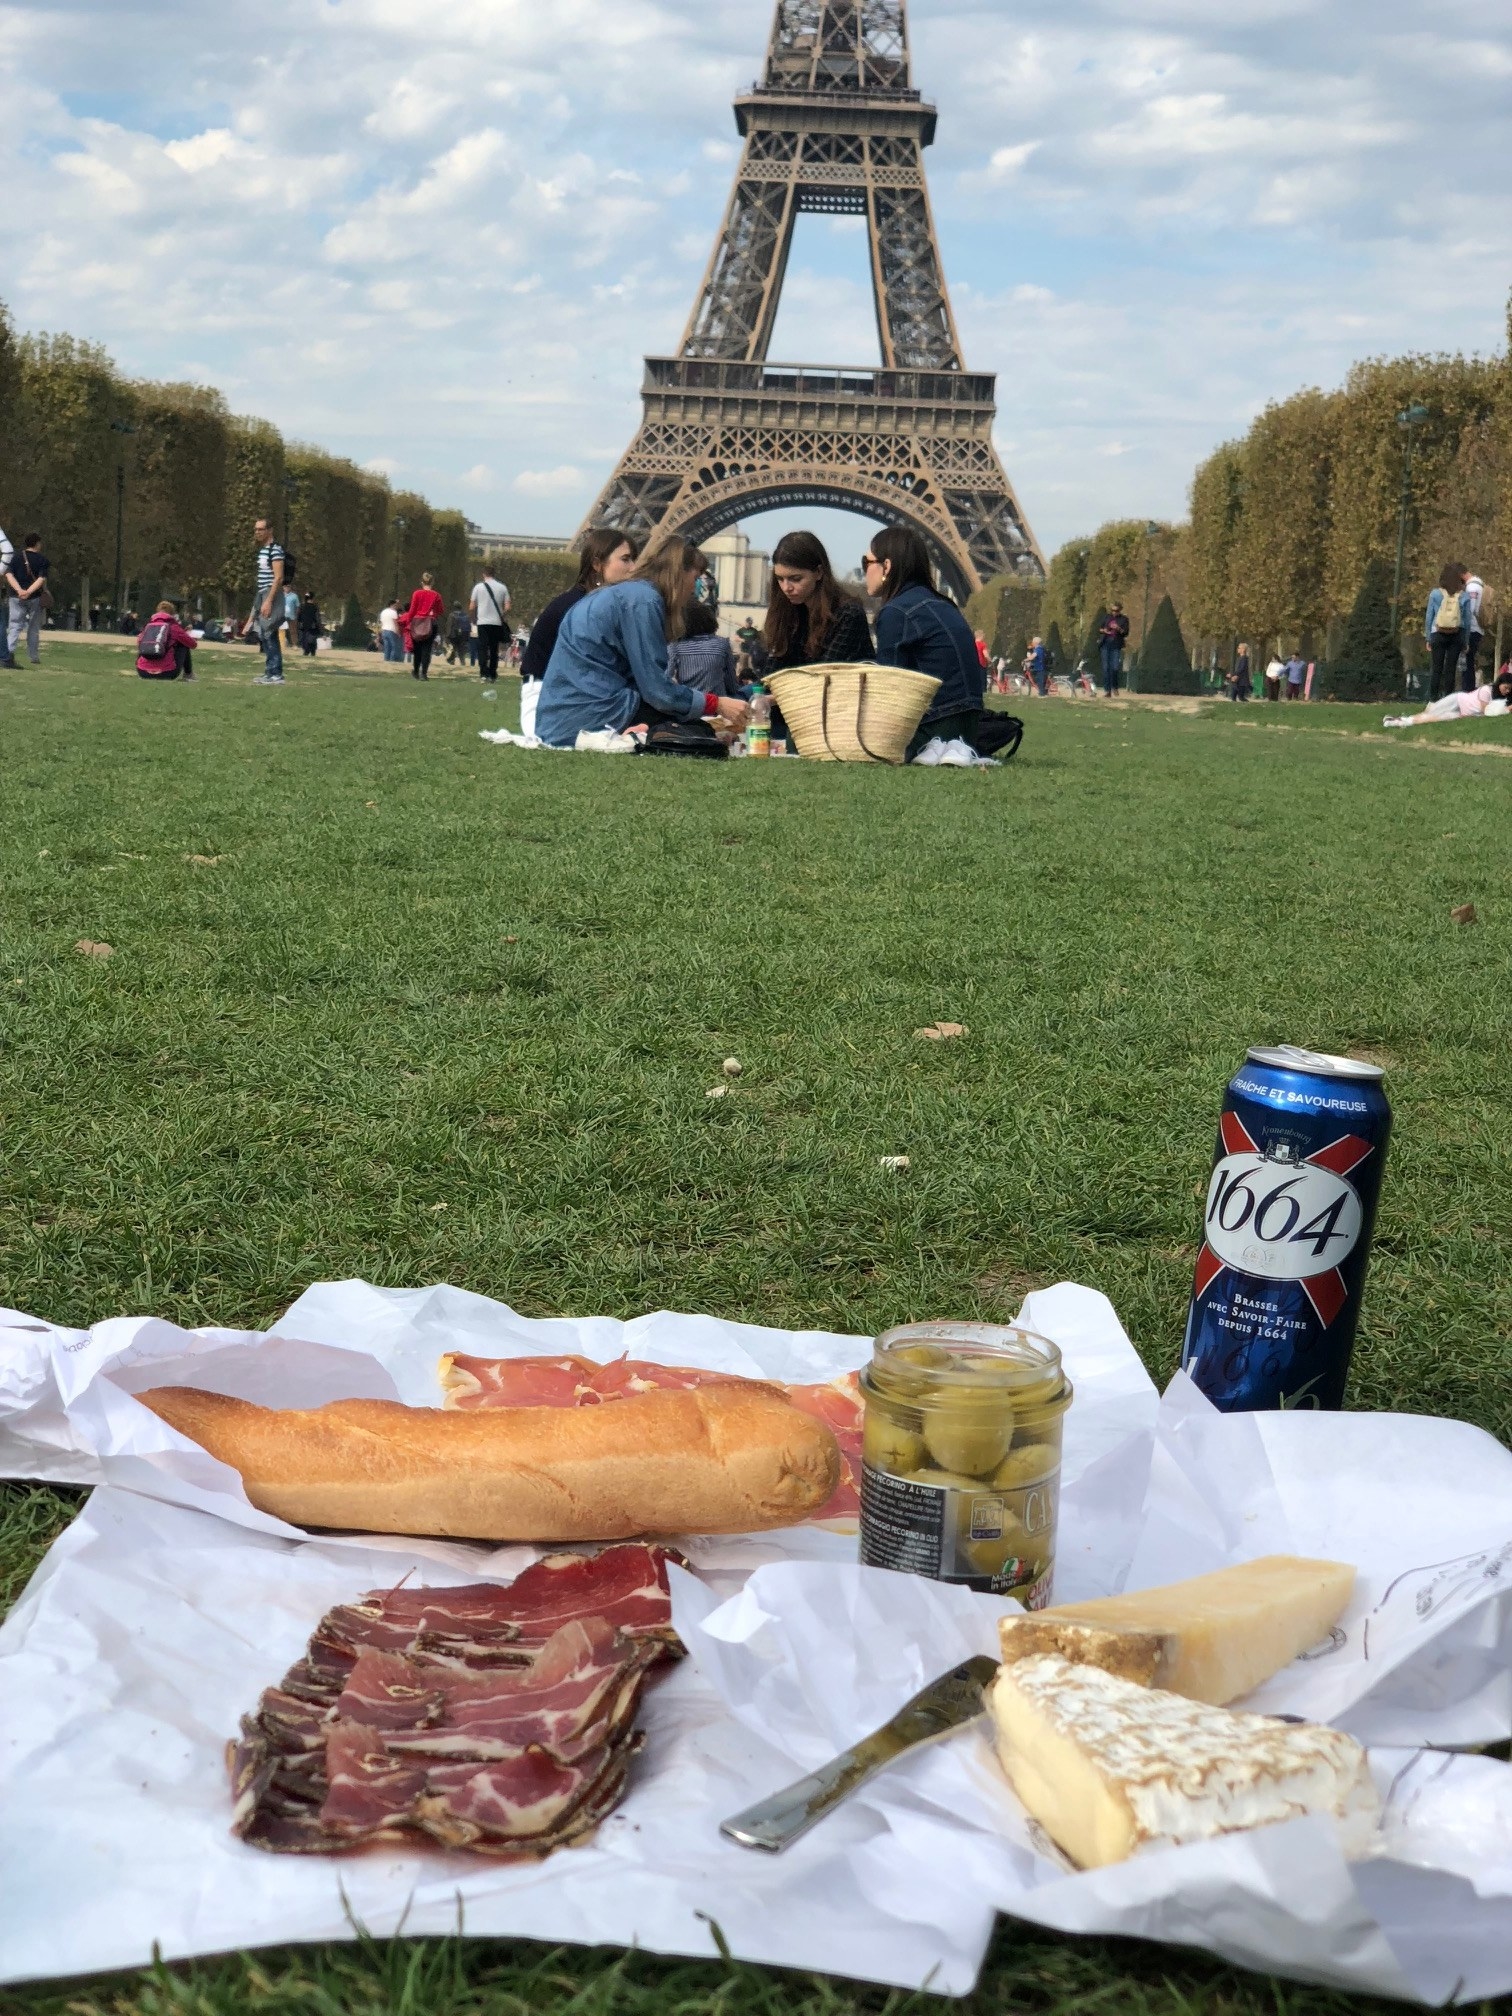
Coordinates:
922 631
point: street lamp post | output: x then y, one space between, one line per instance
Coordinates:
401 526
1413 417
122 427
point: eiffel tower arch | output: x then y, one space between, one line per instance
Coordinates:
834 126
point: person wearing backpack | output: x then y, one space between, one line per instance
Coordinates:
164 648
421 623
1447 628
490 606
267 619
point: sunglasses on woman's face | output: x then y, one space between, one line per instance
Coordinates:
870 560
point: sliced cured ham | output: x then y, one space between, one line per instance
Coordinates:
572 1381
494 1719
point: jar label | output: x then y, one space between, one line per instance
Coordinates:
981 1539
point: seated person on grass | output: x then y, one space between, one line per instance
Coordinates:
609 667
165 647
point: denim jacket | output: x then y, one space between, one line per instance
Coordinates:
920 630
609 665
1436 602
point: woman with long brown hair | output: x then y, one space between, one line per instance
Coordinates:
607 555
609 667
811 619
917 627
1447 628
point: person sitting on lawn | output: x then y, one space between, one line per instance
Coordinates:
165 647
920 629
609 668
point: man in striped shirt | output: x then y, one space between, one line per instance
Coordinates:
267 615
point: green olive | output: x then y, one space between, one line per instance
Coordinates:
888 1445
989 1556
972 1439
945 1480
928 1357
1026 1466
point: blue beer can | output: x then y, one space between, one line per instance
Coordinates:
1286 1232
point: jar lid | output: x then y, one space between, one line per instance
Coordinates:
968 1355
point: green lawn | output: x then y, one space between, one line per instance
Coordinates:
388 1001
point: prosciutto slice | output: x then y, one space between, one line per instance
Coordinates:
572 1381
499 1720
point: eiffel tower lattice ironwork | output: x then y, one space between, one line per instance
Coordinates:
834 126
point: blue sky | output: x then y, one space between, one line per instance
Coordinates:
440 240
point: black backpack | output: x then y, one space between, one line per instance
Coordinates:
156 639
291 567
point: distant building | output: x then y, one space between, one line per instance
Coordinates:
480 542
744 578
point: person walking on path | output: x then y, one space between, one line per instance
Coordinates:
267 618
1446 628
490 606
1475 588
7 555
1296 672
422 621
607 556
1037 666
309 624
26 577
389 640
1111 639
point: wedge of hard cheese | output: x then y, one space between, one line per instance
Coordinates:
1212 1639
1111 1769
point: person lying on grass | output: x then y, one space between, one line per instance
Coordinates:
1490 699
609 667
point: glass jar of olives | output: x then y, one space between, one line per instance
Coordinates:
960 1477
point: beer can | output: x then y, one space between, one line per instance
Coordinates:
1286 1231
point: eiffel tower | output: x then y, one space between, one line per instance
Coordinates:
834 126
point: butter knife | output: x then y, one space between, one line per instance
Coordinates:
946 1704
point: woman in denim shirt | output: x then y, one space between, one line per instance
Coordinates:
609 667
917 628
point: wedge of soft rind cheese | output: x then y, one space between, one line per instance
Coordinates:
1111 1769
1213 1638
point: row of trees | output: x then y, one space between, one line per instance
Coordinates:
89 455
1292 537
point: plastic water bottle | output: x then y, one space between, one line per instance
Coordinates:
759 731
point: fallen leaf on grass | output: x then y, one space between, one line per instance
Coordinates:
716 1091
733 1067
438 1207
371 804
511 941
95 949
206 860
895 1162
1464 914
943 1032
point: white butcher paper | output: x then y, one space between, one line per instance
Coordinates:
67 1414
151 1628
159 1616
810 1658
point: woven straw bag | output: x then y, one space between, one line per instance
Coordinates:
853 713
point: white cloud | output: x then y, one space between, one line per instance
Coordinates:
479 477
444 238
564 481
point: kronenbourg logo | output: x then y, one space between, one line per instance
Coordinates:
1281 1220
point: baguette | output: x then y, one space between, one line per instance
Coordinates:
716 1459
